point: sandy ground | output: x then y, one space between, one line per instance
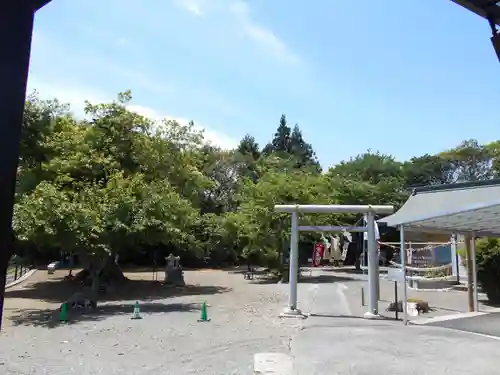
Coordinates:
168 340
14 307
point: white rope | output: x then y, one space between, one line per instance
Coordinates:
429 269
418 249
417 243
414 269
423 278
422 269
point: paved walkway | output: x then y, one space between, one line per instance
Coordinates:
353 346
444 302
485 324
336 340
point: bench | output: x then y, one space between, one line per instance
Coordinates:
52 267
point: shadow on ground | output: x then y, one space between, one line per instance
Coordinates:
305 279
323 279
49 318
59 290
244 269
161 269
487 302
352 271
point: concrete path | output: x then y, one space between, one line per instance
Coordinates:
479 323
355 346
336 340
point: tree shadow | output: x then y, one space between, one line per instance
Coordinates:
323 279
304 279
487 302
49 318
244 269
353 271
60 290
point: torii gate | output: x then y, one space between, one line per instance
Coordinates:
292 309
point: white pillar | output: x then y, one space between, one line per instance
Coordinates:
474 271
402 252
291 310
373 276
454 257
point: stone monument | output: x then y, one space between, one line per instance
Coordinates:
173 271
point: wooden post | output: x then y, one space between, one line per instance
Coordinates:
470 275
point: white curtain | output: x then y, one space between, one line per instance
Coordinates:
336 253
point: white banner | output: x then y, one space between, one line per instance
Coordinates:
365 234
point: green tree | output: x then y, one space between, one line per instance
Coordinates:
249 146
280 143
428 170
118 186
369 167
302 151
471 161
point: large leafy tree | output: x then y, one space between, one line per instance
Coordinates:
371 167
116 185
471 161
428 170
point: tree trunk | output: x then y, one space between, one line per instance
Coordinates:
111 270
71 264
101 272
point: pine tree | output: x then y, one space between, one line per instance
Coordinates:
248 146
281 139
302 151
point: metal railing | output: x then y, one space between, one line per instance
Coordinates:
17 268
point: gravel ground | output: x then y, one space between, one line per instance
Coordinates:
168 340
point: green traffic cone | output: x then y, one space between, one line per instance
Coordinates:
204 313
136 314
63 313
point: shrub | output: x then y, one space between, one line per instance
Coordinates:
488 267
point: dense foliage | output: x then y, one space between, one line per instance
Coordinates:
116 183
488 262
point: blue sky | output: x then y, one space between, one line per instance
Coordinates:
402 77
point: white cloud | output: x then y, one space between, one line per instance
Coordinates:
193 6
77 97
260 34
271 42
74 97
212 137
252 29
